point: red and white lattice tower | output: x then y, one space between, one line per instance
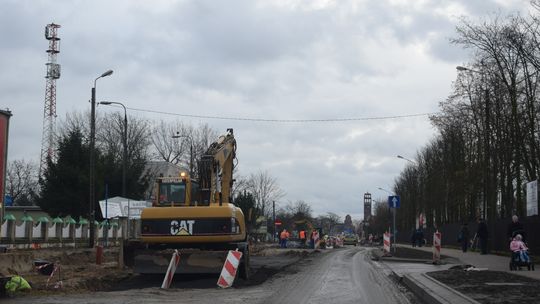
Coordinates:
49 111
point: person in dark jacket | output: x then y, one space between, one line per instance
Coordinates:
419 237
515 228
463 237
482 234
413 238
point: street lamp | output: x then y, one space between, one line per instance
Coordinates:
190 150
463 69
92 176
124 140
404 158
389 192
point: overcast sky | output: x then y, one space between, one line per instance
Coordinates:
275 59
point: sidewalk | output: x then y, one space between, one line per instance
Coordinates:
413 274
489 261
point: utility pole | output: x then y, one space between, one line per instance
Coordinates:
92 177
274 221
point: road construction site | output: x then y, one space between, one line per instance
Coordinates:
344 275
291 275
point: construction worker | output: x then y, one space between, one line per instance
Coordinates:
314 235
302 238
283 238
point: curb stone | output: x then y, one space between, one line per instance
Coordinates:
434 292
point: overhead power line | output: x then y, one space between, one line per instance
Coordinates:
271 120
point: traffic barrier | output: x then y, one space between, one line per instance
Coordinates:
175 260
228 273
58 283
386 243
436 247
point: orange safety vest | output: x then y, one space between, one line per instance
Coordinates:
302 234
284 235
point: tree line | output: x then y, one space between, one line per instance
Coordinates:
488 142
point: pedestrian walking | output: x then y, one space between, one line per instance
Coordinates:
514 228
482 234
463 237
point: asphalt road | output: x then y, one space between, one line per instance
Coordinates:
344 275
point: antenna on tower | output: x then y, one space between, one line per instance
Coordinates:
49 111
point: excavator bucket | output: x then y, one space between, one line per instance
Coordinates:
191 261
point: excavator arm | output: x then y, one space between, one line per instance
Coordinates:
217 165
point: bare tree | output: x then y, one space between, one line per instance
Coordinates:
328 221
300 210
168 148
265 189
21 181
110 134
182 144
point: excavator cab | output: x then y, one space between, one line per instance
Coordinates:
176 191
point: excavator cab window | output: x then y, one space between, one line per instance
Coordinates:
172 194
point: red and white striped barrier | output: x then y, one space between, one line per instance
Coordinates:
175 260
59 281
436 247
386 243
228 273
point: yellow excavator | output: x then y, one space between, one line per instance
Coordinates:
195 217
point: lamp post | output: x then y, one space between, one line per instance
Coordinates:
124 141
190 150
387 191
487 131
404 158
92 176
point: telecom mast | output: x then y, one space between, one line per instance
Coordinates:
49 111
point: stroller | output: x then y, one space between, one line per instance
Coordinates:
521 259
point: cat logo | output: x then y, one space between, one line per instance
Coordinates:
182 227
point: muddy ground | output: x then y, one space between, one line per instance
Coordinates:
495 287
78 272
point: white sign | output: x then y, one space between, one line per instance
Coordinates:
119 207
111 209
532 198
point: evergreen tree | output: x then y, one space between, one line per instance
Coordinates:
64 188
65 184
246 202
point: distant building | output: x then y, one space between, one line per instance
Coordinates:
348 224
367 206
